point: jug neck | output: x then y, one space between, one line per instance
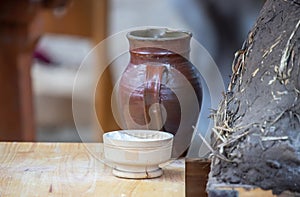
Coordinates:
151 54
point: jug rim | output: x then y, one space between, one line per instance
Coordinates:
158 34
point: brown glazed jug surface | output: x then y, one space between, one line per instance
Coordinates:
160 89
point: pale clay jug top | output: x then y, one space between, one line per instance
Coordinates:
159 34
172 40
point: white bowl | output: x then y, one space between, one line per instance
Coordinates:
137 153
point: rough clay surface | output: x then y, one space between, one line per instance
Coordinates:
259 117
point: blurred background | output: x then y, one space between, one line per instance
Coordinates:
70 31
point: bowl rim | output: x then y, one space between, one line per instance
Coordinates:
135 142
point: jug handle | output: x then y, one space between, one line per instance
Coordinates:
154 76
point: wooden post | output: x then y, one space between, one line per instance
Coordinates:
17 41
20 28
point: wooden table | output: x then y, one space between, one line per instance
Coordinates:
75 169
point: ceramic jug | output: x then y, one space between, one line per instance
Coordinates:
160 89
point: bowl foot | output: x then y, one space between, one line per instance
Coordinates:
147 174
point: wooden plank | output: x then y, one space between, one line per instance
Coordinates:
74 19
103 94
224 190
72 169
197 171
